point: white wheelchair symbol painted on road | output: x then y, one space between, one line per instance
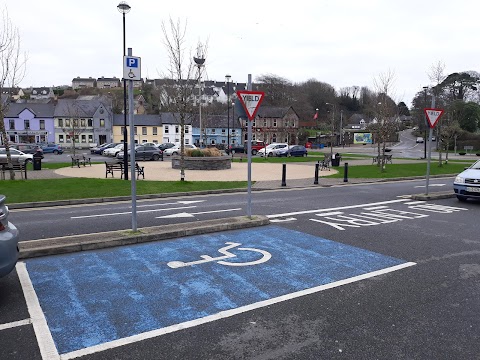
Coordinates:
226 255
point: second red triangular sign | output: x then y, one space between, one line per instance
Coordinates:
250 101
433 115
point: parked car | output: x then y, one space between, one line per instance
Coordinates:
176 149
269 149
235 149
293 150
8 241
165 146
27 148
419 140
467 183
143 153
433 138
113 151
16 155
52 148
98 149
256 146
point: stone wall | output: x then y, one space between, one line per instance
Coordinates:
203 163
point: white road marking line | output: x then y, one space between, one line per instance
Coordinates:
226 313
375 207
334 209
422 186
414 202
331 213
186 202
184 214
42 332
129 212
283 220
15 324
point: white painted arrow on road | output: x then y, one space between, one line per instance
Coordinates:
186 215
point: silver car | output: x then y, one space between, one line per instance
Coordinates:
8 241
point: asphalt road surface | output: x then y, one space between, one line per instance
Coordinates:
353 272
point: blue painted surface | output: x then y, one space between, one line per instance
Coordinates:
91 298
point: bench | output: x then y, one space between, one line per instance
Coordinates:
139 170
17 166
111 167
386 158
325 163
80 160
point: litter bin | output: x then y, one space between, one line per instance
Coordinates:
336 159
37 161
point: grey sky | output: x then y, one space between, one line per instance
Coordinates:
343 43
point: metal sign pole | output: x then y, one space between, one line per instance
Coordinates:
132 152
249 151
430 133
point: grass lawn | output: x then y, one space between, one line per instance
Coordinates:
398 170
19 191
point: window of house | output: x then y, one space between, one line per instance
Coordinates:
274 122
177 130
213 131
83 123
274 138
223 141
135 130
186 130
76 138
26 124
75 122
12 124
223 131
102 122
42 124
265 123
166 129
67 122
90 138
60 138
187 141
254 124
90 122
60 123
233 131
84 138
154 130
155 141
144 130
68 139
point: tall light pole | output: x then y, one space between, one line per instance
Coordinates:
341 128
425 88
124 8
199 61
333 130
233 118
227 81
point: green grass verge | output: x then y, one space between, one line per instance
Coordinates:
398 170
19 191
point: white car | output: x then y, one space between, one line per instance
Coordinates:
269 150
113 151
16 155
176 149
467 183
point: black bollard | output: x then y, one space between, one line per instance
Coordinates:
345 173
317 165
284 175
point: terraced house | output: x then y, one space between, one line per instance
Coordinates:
148 128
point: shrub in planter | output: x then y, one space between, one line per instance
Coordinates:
195 153
462 153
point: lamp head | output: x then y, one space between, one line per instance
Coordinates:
123 7
227 78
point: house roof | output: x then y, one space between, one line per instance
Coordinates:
78 78
79 107
108 79
273 111
138 120
356 118
41 91
174 119
39 110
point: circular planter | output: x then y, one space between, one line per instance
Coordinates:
203 163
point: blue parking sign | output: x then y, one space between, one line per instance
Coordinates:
132 68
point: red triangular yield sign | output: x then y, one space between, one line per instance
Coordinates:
250 101
433 115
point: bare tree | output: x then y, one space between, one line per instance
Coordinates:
75 122
12 71
437 76
386 113
179 91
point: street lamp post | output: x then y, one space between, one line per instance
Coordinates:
341 128
227 81
333 130
425 120
124 8
200 61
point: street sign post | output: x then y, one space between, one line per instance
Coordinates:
433 115
250 101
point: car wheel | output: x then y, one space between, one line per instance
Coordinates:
461 198
28 161
305 154
254 152
270 155
175 153
288 155
155 157
55 152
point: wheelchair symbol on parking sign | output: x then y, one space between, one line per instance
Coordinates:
226 255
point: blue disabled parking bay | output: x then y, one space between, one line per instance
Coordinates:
98 297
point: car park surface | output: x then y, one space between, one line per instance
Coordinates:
467 183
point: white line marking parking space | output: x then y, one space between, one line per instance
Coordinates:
15 324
